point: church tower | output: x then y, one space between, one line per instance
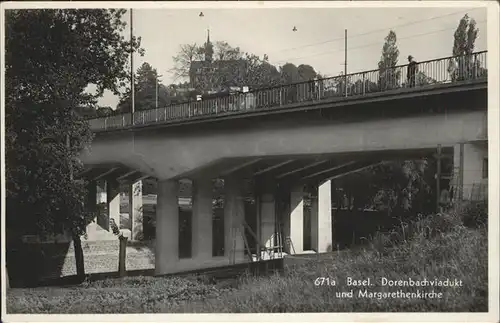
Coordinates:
209 49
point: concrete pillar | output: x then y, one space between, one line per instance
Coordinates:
135 210
167 227
91 199
113 201
267 220
321 219
314 223
471 180
202 219
234 215
294 224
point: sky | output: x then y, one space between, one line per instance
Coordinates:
424 33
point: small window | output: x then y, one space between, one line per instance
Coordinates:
485 167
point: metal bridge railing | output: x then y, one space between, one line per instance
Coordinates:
439 71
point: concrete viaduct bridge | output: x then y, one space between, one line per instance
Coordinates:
286 140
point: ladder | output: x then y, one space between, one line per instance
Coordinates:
235 233
279 239
239 231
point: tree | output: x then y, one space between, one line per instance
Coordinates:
51 57
104 111
359 87
187 54
464 65
422 79
289 74
340 82
389 77
390 186
145 91
306 73
260 73
224 51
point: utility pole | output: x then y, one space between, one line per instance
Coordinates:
132 78
157 90
438 177
345 61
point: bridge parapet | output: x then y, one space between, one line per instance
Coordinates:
448 70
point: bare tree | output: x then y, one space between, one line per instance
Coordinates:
186 55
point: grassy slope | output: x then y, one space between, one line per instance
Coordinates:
440 248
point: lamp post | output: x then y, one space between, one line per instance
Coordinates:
157 89
132 80
345 61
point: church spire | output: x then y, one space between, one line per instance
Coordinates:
209 49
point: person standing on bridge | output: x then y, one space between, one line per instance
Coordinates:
412 71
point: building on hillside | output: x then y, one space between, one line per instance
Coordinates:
212 76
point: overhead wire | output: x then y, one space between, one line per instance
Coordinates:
367 45
374 31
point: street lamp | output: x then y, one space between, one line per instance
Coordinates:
132 80
201 15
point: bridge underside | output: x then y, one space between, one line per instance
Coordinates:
265 201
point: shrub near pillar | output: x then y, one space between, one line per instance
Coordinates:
136 211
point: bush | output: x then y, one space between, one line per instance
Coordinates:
473 214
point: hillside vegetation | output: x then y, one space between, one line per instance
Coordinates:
450 246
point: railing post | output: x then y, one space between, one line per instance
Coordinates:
475 69
123 121
105 123
156 119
